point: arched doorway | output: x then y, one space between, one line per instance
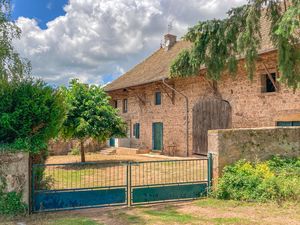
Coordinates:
209 114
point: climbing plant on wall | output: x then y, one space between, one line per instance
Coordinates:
218 44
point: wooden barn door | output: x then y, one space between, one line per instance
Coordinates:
209 114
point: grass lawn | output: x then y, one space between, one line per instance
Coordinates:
205 211
113 172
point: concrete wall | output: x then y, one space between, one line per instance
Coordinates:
14 168
250 107
229 146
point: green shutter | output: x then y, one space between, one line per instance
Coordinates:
157 98
136 130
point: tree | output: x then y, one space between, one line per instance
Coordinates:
31 113
90 115
217 44
12 66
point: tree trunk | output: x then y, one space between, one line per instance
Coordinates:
82 151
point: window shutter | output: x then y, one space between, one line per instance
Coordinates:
137 130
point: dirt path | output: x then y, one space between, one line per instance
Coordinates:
205 211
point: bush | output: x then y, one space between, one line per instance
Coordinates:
11 204
275 180
31 113
74 151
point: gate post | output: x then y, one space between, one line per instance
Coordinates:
129 184
32 179
209 171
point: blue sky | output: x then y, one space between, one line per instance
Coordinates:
41 10
98 40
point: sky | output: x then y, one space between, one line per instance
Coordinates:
98 40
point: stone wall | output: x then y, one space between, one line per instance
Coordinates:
63 147
250 107
14 168
229 146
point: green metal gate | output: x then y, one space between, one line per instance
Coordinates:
85 185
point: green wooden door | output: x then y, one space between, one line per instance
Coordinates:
157 136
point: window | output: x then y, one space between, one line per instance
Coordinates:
267 85
136 130
288 123
158 98
116 104
125 105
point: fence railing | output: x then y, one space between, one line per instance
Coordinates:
118 183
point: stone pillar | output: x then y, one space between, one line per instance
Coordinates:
213 148
14 168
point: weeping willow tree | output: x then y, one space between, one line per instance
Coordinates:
218 44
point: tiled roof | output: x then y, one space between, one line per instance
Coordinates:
156 67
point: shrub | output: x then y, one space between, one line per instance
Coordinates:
31 113
277 180
11 204
74 151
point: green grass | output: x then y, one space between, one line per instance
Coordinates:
169 214
74 221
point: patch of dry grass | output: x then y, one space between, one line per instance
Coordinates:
108 171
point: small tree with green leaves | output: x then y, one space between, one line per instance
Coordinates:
90 115
217 44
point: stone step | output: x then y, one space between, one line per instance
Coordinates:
131 151
110 151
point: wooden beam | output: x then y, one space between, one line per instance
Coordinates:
270 76
171 96
141 98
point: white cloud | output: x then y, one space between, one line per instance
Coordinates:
96 41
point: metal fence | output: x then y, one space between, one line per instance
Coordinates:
83 185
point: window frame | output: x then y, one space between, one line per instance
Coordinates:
136 130
156 102
265 80
115 104
288 123
125 105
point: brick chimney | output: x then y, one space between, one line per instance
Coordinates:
170 40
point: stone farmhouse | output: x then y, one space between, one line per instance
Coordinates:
173 116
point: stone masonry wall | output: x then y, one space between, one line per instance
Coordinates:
14 168
250 107
63 147
231 145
